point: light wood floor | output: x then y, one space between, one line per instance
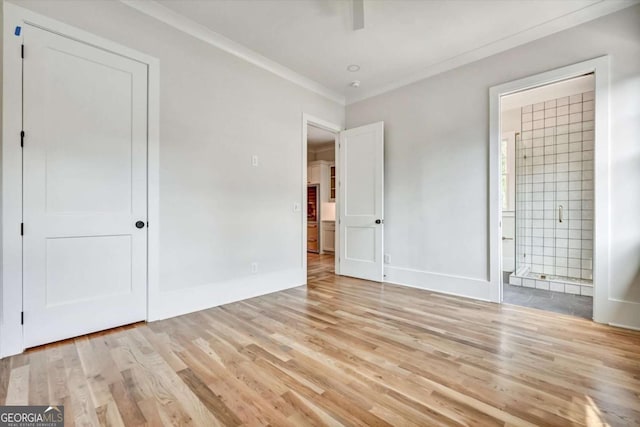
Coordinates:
341 352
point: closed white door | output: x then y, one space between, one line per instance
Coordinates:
361 202
84 157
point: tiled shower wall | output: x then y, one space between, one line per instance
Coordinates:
554 187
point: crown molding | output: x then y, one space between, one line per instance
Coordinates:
586 14
199 31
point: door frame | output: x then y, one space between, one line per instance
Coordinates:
511 161
308 119
601 225
11 329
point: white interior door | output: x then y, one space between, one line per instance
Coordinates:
361 202
84 167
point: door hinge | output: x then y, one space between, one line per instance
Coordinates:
21 138
22 228
22 51
22 317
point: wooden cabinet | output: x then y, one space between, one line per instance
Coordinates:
324 173
312 237
314 174
328 236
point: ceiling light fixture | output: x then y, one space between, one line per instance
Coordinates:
353 68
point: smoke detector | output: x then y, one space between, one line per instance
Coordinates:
355 84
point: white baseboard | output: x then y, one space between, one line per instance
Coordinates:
187 300
617 325
624 314
447 284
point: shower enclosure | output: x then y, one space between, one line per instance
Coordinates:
554 195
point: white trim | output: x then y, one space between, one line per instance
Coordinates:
153 187
602 305
206 296
561 23
624 326
188 26
194 29
308 119
467 287
10 328
11 339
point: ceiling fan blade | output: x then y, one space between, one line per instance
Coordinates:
358 14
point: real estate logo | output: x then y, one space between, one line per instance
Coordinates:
31 416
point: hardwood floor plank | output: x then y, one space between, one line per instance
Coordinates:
340 351
125 404
5 373
18 389
108 415
209 399
38 379
80 394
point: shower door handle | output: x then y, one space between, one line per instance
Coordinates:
560 213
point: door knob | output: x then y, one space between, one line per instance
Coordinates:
139 224
378 221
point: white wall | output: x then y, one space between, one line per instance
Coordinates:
510 120
218 214
436 148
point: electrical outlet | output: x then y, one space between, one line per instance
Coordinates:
387 258
254 267
254 160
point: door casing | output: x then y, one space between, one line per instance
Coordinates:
601 250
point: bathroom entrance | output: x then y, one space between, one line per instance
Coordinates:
547 189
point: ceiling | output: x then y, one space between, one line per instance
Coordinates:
317 137
403 40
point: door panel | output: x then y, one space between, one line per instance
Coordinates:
85 120
362 201
97 178
76 270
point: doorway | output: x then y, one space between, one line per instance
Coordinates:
547 193
358 207
321 201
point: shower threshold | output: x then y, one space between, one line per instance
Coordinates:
567 285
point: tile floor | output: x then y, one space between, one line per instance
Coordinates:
574 305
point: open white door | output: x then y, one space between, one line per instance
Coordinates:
85 188
362 201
